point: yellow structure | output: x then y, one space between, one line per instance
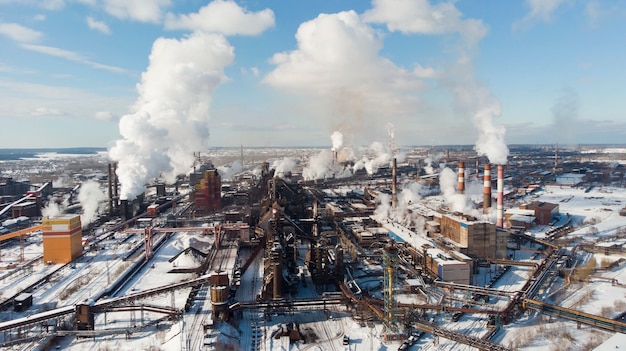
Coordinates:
62 238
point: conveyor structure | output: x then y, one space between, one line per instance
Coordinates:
577 316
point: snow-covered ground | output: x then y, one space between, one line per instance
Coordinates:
595 213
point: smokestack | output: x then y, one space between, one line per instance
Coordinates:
487 189
477 173
115 196
556 156
394 181
500 192
242 156
110 184
124 210
461 185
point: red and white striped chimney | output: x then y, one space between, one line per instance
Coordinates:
500 190
461 184
487 189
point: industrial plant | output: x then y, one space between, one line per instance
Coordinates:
433 248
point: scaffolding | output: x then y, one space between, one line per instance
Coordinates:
390 264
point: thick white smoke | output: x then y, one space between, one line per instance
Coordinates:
401 214
324 165
55 208
465 203
443 18
375 157
448 184
91 197
337 139
228 172
171 115
284 166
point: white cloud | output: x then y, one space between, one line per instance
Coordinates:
46 111
598 12
17 99
19 33
137 10
53 4
39 17
71 56
98 25
540 10
425 72
337 62
224 17
104 115
419 16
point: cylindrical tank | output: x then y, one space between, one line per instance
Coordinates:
219 295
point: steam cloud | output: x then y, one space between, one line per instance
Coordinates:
90 197
55 208
171 115
409 194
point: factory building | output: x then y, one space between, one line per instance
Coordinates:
10 187
26 208
207 185
545 212
62 238
478 239
448 268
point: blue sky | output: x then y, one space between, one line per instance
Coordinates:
196 74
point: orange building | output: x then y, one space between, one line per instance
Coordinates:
207 185
62 238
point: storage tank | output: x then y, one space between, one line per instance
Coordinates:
219 295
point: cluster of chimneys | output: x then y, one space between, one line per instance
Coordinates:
487 190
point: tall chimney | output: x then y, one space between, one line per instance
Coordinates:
500 192
487 189
556 156
115 194
461 185
394 181
477 170
110 183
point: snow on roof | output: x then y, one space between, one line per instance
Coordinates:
521 212
521 218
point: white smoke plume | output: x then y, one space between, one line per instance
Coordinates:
284 166
62 182
91 197
228 172
376 156
337 139
171 115
464 203
55 207
443 18
402 214
448 184
337 66
323 165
